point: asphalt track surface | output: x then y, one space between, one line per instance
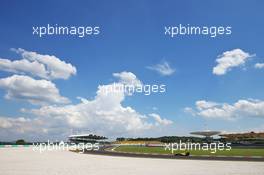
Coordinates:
106 151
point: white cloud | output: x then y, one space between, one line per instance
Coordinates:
23 66
43 66
159 120
127 78
163 68
241 108
39 92
259 65
105 114
202 104
7 122
229 60
26 128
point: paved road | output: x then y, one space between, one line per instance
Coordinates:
164 156
24 161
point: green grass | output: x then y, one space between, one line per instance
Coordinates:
160 150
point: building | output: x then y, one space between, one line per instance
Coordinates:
87 138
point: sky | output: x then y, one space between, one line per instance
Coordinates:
53 85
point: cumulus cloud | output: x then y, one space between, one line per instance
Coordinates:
31 129
127 78
241 108
43 66
159 120
5 123
8 122
202 104
23 66
230 59
104 114
259 65
127 82
163 68
25 88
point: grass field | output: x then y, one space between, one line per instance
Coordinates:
160 150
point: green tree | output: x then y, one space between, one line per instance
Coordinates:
20 142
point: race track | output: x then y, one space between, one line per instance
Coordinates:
24 161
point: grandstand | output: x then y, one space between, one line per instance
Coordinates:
249 138
237 136
207 134
87 138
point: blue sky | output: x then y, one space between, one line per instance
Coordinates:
131 39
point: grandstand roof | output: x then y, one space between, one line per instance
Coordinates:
206 133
